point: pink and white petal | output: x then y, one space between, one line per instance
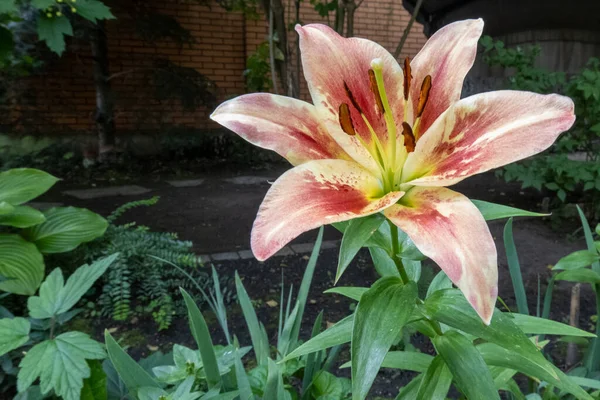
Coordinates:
487 131
446 227
314 194
330 61
447 56
288 126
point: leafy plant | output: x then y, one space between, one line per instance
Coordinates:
571 179
62 361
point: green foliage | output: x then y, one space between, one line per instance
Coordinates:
258 70
569 179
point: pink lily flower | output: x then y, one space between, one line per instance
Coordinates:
381 138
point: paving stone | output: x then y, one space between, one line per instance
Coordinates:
330 244
186 183
204 258
246 254
86 194
302 247
249 180
286 251
42 205
230 255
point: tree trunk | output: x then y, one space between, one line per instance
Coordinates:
340 17
350 9
104 117
281 29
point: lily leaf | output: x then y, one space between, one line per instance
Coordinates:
492 211
436 381
356 234
576 260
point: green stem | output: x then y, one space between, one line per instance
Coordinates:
394 255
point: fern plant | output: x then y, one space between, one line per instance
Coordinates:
140 273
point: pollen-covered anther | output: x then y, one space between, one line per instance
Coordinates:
409 138
346 120
407 77
375 90
423 95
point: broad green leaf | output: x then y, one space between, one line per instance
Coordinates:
405 360
33 393
202 336
7 42
578 275
515 268
22 217
53 31
6 208
339 333
500 357
42 4
18 186
151 393
351 292
470 373
383 263
8 6
21 264
94 387
492 211
60 364
56 298
93 10
439 282
327 386
14 333
380 316
130 372
358 231
260 342
436 381
578 259
66 228
535 326
451 308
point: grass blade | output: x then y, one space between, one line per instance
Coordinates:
260 342
515 268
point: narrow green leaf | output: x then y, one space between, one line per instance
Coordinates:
53 31
243 383
130 372
202 336
492 211
18 186
22 265
451 308
547 301
22 217
535 326
380 316
436 381
339 333
383 263
439 282
260 342
66 228
14 333
585 382
578 259
409 391
501 357
589 239
579 275
470 373
272 385
351 292
404 360
515 269
355 236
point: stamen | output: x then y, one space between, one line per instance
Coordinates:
424 95
346 120
407 77
409 137
352 98
375 90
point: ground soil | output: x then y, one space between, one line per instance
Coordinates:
217 216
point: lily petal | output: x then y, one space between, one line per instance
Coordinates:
487 131
447 56
313 194
331 62
288 126
446 227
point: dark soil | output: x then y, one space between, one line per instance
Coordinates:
217 216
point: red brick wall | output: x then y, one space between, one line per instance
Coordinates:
64 99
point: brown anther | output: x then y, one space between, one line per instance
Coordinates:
409 137
424 95
351 98
375 91
407 77
346 120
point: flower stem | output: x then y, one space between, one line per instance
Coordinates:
394 255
